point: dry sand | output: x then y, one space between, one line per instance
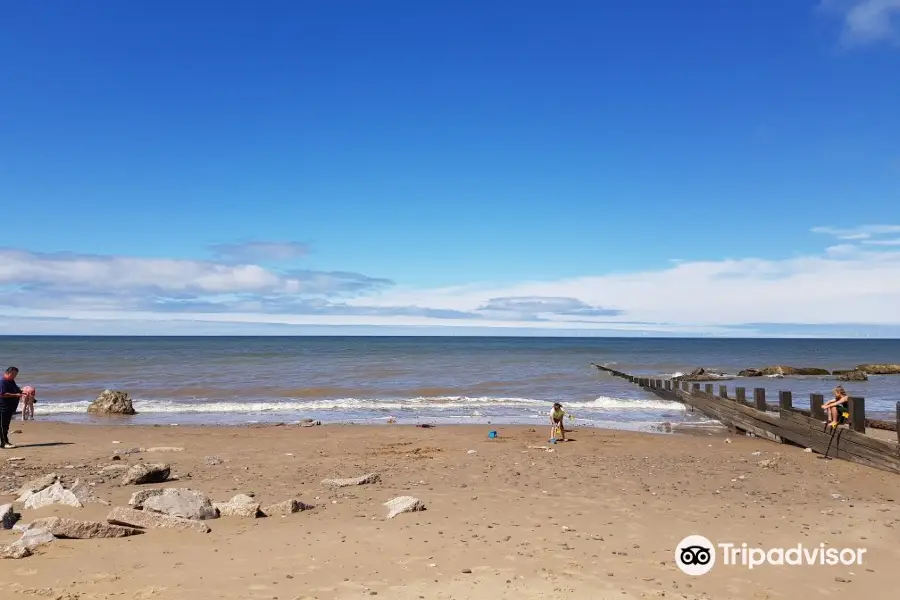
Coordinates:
597 518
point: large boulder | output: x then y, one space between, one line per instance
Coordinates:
786 370
55 494
71 529
130 517
701 374
853 376
182 503
112 403
880 369
750 373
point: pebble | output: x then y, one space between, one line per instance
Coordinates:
467 571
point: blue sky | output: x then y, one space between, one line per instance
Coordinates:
695 167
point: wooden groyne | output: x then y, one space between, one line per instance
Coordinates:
864 441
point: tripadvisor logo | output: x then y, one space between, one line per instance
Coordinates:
696 555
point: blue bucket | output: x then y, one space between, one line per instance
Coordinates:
492 434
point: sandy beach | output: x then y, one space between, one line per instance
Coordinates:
598 517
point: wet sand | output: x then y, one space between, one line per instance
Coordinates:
598 517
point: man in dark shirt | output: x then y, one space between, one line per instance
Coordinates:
9 404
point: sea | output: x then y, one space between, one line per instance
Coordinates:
436 380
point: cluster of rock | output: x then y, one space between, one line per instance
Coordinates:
150 508
781 371
860 373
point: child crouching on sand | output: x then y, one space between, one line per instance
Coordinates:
556 421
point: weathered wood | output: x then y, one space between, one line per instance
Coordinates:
723 391
857 414
815 406
785 400
759 399
784 423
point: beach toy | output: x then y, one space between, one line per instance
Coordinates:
552 440
492 434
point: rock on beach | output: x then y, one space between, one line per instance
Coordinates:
880 369
112 402
142 473
72 529
239 506
130 517
55 494
183 503
288 507
403 504
361 480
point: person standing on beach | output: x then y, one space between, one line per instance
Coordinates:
9 404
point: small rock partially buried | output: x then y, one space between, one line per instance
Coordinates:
288 507
141 473
361 480
403 504
147 520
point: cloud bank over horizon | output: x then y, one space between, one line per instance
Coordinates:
851 287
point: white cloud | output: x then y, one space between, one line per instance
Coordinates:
260 251
860 232
843 284
894 242
866 21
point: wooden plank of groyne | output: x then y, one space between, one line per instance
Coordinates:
815 404
759 398
857 414
723 391
740 395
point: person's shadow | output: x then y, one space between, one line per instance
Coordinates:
44 444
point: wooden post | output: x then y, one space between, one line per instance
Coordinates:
669 385
857 414
659 384
723 391
785 400
740 394
815 407
759 398
685 386
708 388
898 422
695 388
